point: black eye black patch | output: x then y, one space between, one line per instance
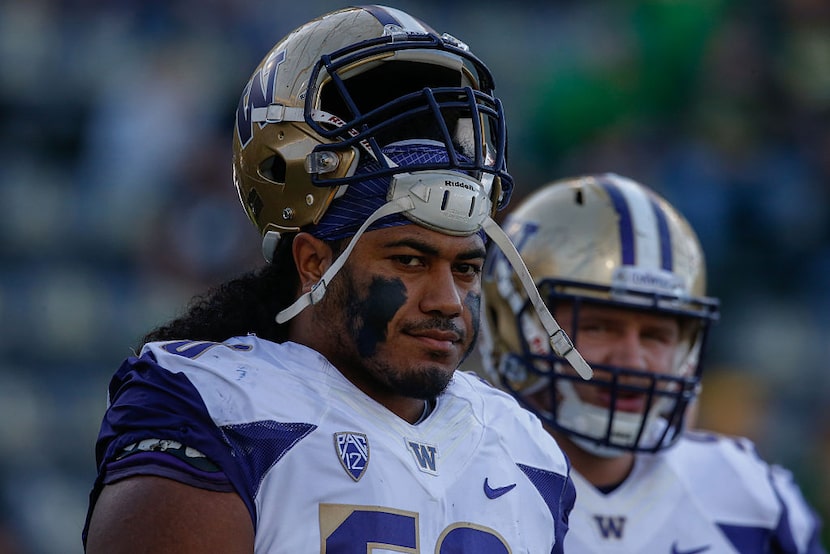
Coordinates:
473 303
385 297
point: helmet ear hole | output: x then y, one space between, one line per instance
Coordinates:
273 169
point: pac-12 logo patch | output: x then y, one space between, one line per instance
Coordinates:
353 451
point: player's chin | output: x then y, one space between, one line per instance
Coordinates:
427 363
426 380
445 360
431 360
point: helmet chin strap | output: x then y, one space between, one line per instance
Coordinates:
559 340
455 204
319 289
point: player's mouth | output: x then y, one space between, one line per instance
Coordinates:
436 339
625 401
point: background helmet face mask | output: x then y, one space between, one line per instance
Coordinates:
337 90
608 241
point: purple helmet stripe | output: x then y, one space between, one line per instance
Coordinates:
666 257
381 15
627 250
391 16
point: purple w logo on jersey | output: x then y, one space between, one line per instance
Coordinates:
610 526
425 455
353 451
258 93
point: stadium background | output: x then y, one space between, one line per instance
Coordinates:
116 202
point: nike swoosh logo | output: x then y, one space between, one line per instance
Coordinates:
675 550
493 493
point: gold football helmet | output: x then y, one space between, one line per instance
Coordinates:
332 94
605 240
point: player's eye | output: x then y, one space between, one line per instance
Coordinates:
408 260
468 269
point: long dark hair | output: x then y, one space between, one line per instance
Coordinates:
246 304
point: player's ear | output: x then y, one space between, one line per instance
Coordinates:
312 257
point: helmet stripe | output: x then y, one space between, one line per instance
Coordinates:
643 228
624 223
666 258
392 16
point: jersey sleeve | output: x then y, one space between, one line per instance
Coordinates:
157 424
757 505
799 528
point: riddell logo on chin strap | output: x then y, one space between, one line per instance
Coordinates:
459 184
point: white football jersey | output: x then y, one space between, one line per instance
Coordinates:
324 468
707 494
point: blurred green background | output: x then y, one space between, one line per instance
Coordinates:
116 203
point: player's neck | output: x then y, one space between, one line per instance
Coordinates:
601 472
412 410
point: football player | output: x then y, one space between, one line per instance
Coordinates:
314 405
625 275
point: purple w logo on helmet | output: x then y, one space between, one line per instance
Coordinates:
258 93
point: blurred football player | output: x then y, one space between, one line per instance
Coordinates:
624 274
314 405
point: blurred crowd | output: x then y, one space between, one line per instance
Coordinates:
116 202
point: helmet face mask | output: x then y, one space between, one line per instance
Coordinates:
544 382
600 242
333 93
